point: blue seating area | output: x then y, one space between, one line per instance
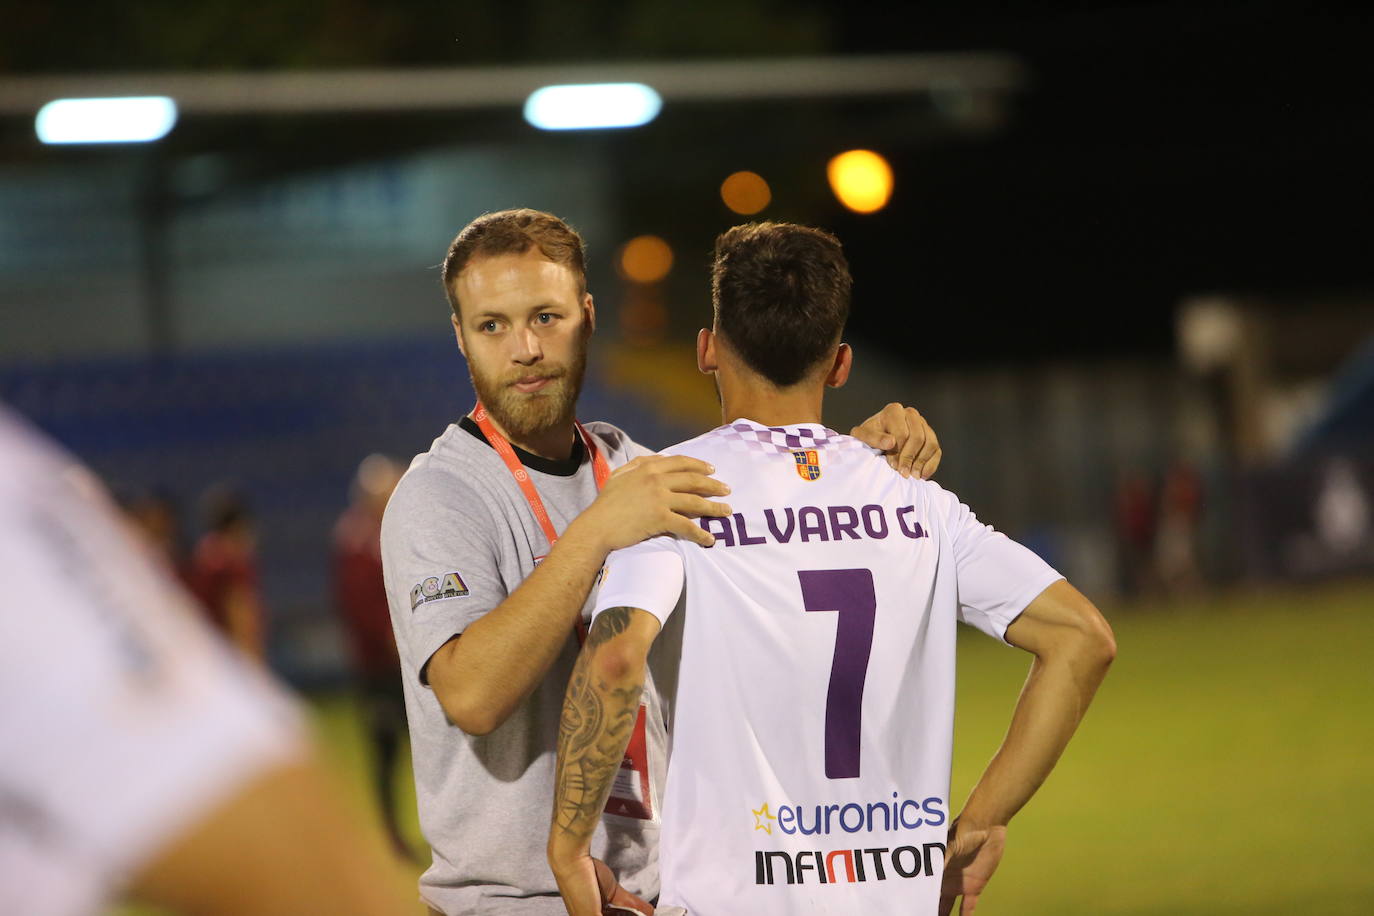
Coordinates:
285 426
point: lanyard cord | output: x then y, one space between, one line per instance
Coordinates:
601 471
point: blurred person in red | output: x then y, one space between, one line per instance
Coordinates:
360 595
1180 518
1135 531
141 758
224 572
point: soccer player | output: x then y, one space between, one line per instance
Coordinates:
491 545
814 711
360 597
224 572
141 756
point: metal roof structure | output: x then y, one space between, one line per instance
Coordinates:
475 88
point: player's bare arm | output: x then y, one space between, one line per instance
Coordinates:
244 618
481 677
1073 647
599 712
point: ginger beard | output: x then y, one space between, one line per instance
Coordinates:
526 416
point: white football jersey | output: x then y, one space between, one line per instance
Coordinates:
123 719
814 716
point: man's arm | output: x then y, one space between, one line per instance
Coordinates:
1073 647
286 842
599 713
482 676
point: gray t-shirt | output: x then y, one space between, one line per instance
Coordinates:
457 538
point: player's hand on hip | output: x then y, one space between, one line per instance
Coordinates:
614 898
970 860
652 495
905 438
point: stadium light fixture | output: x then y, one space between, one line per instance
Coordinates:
592 106
861 179
130 119
746 193
646 259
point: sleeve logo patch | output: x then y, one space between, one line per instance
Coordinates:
450 585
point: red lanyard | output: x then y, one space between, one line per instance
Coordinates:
600 469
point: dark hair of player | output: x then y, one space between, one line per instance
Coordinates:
781 297
514 232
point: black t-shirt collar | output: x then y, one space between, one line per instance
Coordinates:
567 467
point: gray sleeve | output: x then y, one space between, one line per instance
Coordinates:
440 562
620 447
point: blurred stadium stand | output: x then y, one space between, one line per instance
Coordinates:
1310 514
262 307
286 425
1346 422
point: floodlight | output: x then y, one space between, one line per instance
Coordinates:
131 119
861 179
590 106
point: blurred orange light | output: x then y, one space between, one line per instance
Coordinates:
745 193
646 259
861 179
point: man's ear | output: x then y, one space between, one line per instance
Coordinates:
458 333
706 352
839 370
589 312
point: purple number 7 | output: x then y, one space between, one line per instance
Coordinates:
849 592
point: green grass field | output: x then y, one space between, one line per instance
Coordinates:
1227 766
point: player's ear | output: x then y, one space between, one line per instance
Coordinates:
458 333
706 352
589 312
839 369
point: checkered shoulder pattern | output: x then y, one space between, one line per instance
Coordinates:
745 437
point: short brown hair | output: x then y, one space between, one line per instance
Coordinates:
781 296
514 232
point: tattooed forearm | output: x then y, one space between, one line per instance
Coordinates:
609 623
599 712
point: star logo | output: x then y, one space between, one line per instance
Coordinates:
762 818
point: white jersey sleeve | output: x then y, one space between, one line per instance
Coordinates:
124 719
996 576
648 575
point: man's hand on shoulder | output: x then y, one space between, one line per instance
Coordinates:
970 860
653 495
905 438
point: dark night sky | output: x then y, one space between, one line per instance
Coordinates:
1162 150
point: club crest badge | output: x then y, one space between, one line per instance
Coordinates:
808 463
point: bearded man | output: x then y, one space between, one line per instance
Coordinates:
491 546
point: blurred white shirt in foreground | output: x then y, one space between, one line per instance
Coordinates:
123 719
